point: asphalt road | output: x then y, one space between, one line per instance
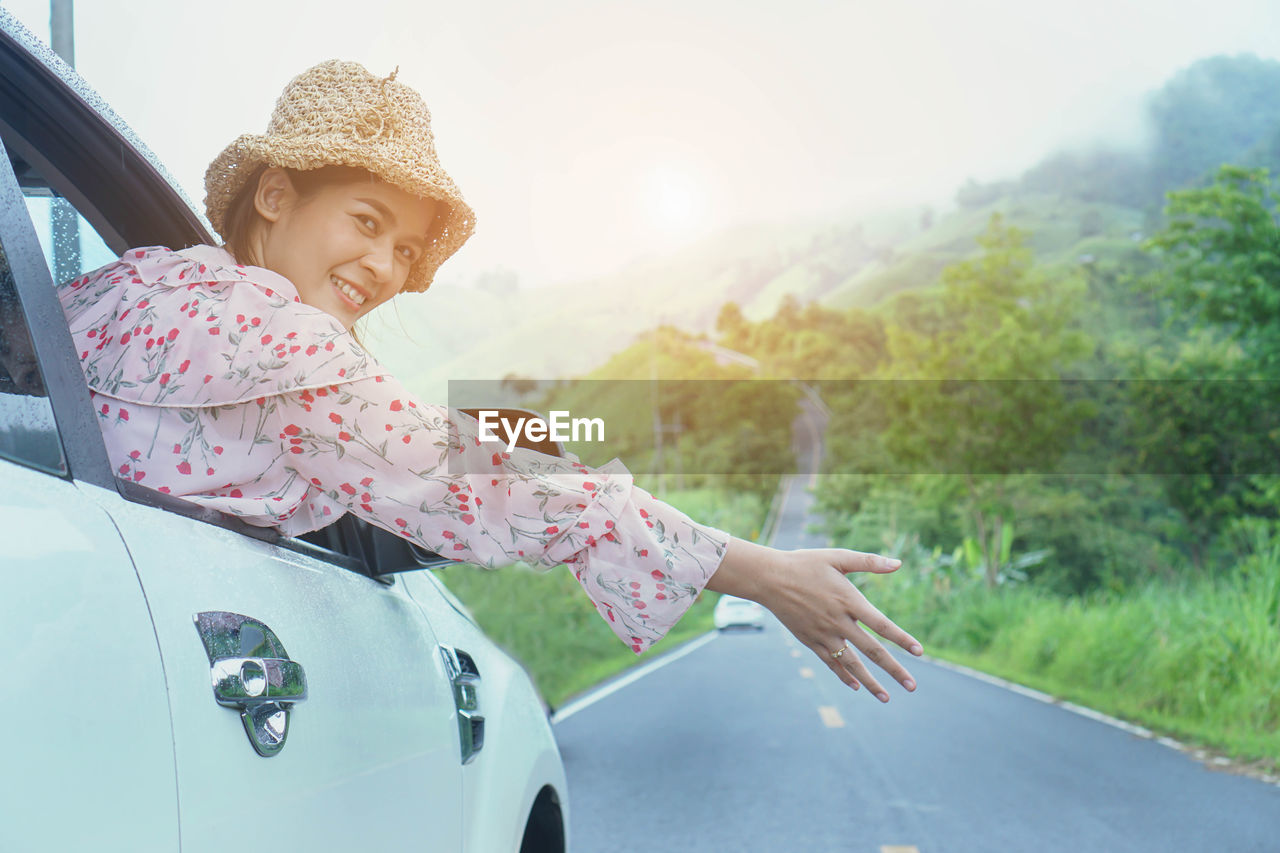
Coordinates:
748 743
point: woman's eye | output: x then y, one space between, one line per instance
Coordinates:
407 253
368 222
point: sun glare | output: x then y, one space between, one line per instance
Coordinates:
674 201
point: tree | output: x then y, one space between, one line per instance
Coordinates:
977 392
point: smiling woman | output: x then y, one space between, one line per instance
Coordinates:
346 239
229 376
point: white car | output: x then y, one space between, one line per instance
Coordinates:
175 679
734 612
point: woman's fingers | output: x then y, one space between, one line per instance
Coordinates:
836 663
860 561
868 614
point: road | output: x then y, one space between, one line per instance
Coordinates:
748 743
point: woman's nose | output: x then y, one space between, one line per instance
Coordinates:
380 261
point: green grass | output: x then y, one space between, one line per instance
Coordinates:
546 621
1199 660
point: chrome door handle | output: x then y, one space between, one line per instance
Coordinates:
251 671
241 682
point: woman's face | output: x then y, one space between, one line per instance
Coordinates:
347 247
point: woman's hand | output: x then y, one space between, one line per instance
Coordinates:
808 591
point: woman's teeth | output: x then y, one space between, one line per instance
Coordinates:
351 293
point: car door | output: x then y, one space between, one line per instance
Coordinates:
309 703
88 750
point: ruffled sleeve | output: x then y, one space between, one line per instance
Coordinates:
370 447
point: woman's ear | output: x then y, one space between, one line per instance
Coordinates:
274 195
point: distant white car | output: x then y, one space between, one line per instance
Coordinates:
733 612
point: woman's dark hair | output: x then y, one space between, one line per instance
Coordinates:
241 217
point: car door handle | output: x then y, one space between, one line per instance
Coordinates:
241 682
252 671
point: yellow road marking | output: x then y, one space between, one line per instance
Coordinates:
805 672
831 717
899 848
795 653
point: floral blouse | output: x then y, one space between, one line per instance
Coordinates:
212 381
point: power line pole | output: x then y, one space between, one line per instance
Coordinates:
64 222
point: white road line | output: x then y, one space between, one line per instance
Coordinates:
1138 731
634 675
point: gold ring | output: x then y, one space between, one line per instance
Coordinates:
839 651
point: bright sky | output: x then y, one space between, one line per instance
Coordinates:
587 133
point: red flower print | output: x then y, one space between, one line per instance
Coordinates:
142 303
312 350
655 574
105 408
639 605
589 486
124 469
342 371
468 518
213 330
367 482
297 450
407 439
135 455
635 585
93 333
660 597
164 379
493 482
388 426
164 489
315 481
239 318
217 449
329 347
610 537
266 339
609 525
584 525
182 368
292 429
661 585
454 487
396 405
366 507
207 377
591 541
236 493
402 522
257 321
209 472
344 436
124 414
458 546
124 339
552 529
348 488
184 467
138 475
448 534
335 417
173 333
496 459
177 448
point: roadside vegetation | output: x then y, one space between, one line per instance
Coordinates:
1110 541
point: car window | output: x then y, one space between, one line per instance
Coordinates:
28 433
71 245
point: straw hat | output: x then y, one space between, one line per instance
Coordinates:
338 114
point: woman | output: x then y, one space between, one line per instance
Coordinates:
229 376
